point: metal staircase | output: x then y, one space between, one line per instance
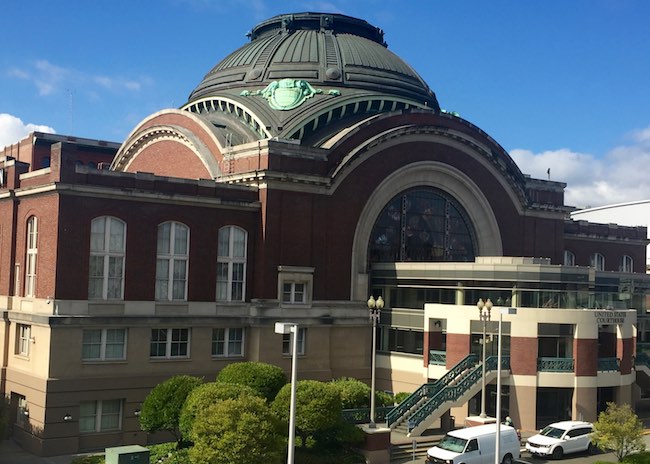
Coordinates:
429 402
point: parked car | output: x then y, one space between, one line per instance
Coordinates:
476 445
562 438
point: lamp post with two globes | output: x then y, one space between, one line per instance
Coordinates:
484 309
375 307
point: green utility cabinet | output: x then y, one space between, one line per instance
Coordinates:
133 454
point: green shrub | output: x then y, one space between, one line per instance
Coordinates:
318 408
162 407
354 393
205 395
401 396
383 399
267 379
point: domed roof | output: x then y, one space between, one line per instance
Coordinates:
324 50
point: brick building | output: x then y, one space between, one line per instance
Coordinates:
309 169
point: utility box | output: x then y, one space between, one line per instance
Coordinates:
133 454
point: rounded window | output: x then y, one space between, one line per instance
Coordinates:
422 224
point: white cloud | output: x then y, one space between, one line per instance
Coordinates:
619 177
51 79
12 129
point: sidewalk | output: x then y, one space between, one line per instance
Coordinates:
11 453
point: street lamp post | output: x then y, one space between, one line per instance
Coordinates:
497 445
375 307
291 328
484 310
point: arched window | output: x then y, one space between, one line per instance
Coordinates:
172 260
569 258
107 251
627 264
597 262
422 224
32 253
231 263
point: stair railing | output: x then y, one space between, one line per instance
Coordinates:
453 392
430 389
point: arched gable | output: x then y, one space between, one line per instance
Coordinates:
171 143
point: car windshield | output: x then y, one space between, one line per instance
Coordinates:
552 432
449 443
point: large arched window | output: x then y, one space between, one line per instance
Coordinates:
231 264
172 261
597 261
422 224
569 258
107 249
627 264
32 253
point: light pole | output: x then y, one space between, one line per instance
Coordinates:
375 307
291 328
484 310
497 445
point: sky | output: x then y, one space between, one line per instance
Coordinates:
560 84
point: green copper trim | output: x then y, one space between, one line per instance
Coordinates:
287 94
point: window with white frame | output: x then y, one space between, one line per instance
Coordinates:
23 339
106 266
100 416
104 344
231 263
32 253
286 342
228 342
569 258
170 343
295 285
627 264
598 262
22 409
172 260
293 292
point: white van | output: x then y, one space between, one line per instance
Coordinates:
476 445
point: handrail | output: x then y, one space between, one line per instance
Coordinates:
455 391
429 389
642 358
547 364
608 364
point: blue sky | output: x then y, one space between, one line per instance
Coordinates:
560 84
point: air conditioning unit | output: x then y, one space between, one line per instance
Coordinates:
132 454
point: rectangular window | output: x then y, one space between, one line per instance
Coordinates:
293 292
23 339
170 343
228 342
107 252
32 253
231 263
22 410
100 416
172 261
104 344
286 342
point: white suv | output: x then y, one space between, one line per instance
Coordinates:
562 438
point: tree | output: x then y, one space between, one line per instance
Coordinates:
620 430
318 408
237 431
265 378
354 393
162 407
206 395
